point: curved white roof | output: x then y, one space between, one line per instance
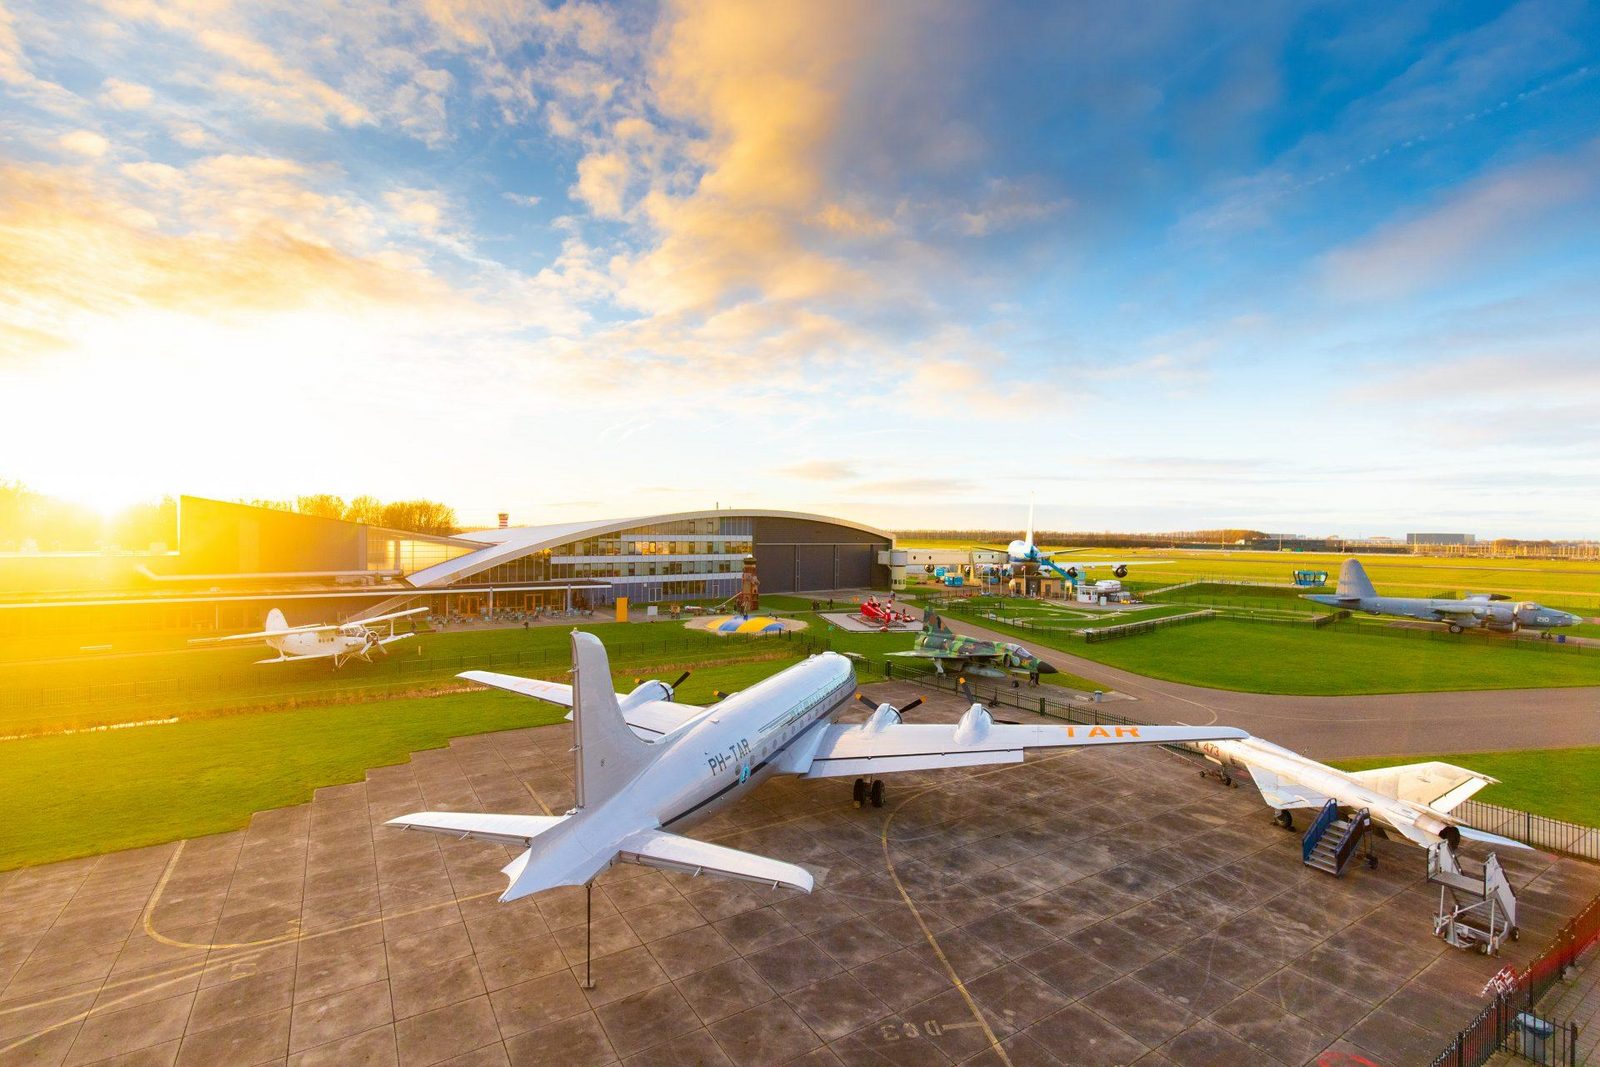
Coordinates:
500 546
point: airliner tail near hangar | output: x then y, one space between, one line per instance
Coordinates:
649 767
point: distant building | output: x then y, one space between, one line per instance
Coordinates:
235 561
1440 539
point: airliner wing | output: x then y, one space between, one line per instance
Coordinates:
860 750
517 830
657 848
549 692
649 720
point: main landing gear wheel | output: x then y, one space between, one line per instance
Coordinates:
877 792
858 792
1284 819
1454 628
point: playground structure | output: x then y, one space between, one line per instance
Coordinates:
744 624
747 601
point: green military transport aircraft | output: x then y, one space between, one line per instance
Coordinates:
950 651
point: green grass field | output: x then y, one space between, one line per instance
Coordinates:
89 689
83 794
1259 658
873 647
1573 585
1560 783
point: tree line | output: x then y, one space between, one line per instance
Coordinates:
31 521
415 516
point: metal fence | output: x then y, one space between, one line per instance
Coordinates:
1133 629
998 693
1511 1021
1555 835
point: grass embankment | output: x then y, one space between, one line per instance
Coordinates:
1559 782
83 794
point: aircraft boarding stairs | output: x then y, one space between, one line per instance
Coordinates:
1330 844
1475 911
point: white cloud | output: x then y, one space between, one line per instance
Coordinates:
1472 226
125 94
84 143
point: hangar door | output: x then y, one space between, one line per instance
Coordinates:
794 555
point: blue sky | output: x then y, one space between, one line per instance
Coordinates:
1323 268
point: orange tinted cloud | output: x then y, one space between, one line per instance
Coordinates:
767 84
69 253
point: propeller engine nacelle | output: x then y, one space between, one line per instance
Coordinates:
884 714
650 690
974 725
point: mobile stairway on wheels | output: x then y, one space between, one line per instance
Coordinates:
1475 910
1330 843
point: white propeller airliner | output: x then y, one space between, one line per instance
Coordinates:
648 767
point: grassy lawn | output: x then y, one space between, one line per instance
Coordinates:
1258 658
873 647
90 689
97 792
1570 584
1556 782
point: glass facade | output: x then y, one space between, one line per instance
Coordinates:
396 550
685 558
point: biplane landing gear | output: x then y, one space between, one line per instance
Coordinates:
862 792
1284 819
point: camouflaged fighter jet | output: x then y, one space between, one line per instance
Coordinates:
1489 611
950 651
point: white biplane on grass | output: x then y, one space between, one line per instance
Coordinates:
338 641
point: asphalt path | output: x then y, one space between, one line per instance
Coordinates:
1325 727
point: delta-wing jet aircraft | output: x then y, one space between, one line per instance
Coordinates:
648 767
339 642
951 652
1490 611
1415 800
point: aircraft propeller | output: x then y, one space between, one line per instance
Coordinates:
966 690
672 686
898 711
